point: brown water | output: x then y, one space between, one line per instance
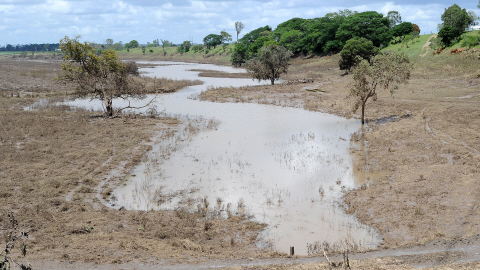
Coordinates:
285 167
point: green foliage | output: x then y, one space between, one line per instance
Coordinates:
143 49
402 29
250 37
387 71
212 40
456 18
197 48
448 35
255 47
370 25
102 77
132 44
291 40
355 50
184 47
320 35
270 63
292 24
471 41
239 54
226 37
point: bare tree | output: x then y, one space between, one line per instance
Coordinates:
394 18
270 63
239 27
385 70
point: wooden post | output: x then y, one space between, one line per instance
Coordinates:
292 251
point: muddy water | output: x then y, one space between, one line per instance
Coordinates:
286 167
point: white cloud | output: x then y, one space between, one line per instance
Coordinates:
37 21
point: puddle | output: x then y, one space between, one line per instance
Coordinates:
285 167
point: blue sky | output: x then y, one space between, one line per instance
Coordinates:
47 21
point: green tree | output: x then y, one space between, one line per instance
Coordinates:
292 24
291 40
270 63
320 35
184 47
102 77
239 27
457 18
143 49
385 71
132 44
370 25
109 42
447 34
226 37
165 43
239 54
255 47
402 29
253 35
212 40
355 50
394 18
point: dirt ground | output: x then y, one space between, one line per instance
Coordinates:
54 162
420 150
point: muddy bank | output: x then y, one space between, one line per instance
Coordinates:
431 188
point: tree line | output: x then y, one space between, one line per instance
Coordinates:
30 47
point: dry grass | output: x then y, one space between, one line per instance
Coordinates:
49 155
221 74
429 182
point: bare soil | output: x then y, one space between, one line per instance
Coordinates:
423 143
422 171
54 162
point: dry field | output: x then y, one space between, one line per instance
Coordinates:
420 150
56 165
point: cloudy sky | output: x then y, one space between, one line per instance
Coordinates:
47 21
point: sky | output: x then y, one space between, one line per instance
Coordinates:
48 21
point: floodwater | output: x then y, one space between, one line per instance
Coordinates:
285 167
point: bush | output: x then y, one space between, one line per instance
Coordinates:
132 68
354 51
471 41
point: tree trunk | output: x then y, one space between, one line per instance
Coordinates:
272 80
363 113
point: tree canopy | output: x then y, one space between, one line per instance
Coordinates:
457 18
394 18
102 77
212 40
270 63
354 51
370 25
386 71
132 44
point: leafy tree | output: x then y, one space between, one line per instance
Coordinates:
402 29
386 71
292 24
226 37
255 47
320 34
270 63
394 18
212 40
143 49
291 40
239 54
370 25
184 47
457 18
253 35
355 50
132 44
197 48
447 34
239 27
102 77
109 42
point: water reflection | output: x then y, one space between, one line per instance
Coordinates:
284 166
